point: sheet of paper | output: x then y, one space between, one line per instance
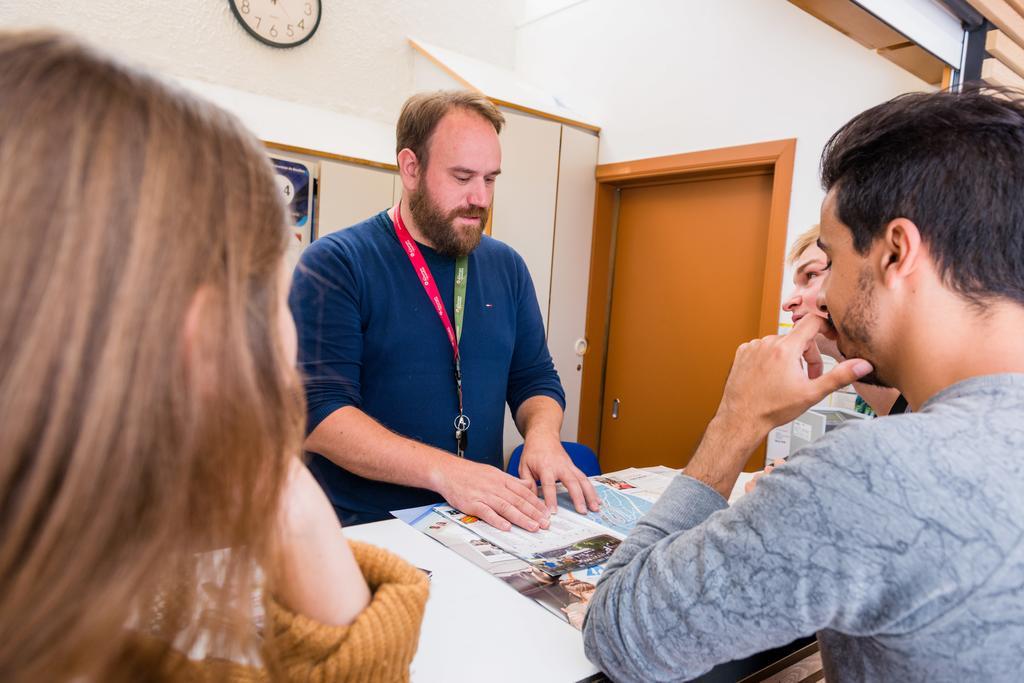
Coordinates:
570 543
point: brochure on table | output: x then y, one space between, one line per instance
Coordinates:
557 567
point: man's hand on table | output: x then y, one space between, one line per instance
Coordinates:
488 493
546 461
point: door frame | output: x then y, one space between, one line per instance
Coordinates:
775 156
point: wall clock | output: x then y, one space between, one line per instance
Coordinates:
278 23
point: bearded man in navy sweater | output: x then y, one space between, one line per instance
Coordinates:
415 329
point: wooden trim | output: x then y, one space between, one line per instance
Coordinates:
598 315
778 226
996 73
545 115
499 102
999 45
947 78
444 67
1002 15
722 159
789 660
330 155
777 156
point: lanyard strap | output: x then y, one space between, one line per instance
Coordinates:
419 264
426 278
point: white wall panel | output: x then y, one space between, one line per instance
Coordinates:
570 265
524 207
350 194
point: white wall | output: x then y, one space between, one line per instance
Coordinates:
671 76
358 62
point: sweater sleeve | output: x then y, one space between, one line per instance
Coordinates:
698 583
378 646
532 372
324 300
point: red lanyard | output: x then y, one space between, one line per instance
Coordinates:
426 278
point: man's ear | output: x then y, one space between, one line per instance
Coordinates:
409 169
901 251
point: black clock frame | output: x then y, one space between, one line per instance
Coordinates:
280 46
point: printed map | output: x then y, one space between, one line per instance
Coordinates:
619 511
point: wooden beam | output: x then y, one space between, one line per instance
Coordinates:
999 45
1017 5
853 21
916 60
995 72
1000 13
330 155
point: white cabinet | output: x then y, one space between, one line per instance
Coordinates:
570 266
544 209
350 194
525 195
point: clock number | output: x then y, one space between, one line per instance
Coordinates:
290 31
259 20
245 7
302 24
309 9
273 31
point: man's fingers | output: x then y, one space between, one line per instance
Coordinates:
486 514
515 510
847 372
520 488
549 491
813 358
806 329
530 483
590 493
579 501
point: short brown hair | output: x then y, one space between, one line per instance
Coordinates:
808 238
422 112
117 464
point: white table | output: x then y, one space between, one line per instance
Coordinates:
477 628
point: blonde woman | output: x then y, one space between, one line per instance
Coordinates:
150 415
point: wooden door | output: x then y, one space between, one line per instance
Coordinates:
687 290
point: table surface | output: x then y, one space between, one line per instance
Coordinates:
476 627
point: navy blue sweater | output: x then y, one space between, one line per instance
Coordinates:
370 338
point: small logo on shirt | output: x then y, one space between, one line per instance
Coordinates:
488 305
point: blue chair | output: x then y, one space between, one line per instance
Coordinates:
581 456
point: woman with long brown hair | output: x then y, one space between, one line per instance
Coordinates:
149 410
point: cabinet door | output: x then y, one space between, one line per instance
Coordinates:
524 208
524 198
350 194
570 266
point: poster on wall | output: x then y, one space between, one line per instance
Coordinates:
295 182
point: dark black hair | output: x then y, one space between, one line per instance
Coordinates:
953 163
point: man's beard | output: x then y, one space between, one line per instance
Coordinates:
859 319
439 227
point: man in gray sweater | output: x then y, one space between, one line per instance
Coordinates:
900 540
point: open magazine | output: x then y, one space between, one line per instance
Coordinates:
557 567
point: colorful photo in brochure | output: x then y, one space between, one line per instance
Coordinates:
565 596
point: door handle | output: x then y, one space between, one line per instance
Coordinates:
615 409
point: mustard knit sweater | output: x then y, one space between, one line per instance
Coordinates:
377 646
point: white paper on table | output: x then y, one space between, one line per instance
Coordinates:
570 542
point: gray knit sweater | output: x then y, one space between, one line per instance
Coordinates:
897 540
